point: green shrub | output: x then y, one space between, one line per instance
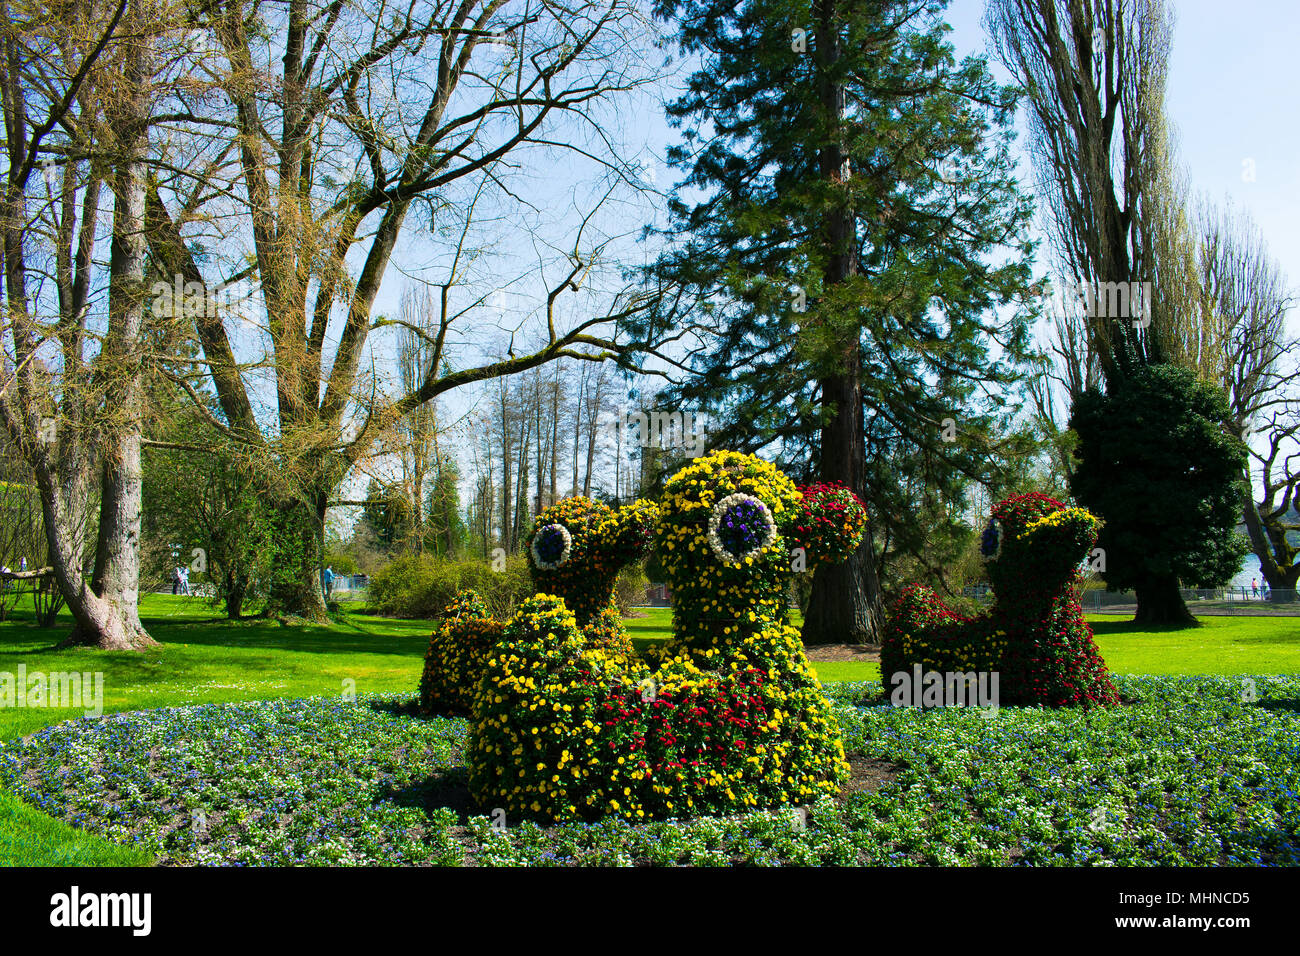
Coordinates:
502 591
630 588
422 586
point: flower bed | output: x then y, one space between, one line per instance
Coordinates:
1187 774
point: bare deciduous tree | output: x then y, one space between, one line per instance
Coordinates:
334 125
1244 301
1094 75
78 92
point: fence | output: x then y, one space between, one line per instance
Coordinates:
345 587
349 587
1238 599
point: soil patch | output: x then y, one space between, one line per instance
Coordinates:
843 652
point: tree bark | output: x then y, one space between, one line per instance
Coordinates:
845 604
236 590
101 622
1160 602
114 620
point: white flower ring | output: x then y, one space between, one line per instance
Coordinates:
563 559
715 523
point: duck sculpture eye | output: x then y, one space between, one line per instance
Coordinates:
740 527
991 539
552 545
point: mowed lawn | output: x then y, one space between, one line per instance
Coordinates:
207 659
1221 645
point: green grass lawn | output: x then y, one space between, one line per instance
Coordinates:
1221 645
206 659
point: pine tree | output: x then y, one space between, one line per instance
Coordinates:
848 226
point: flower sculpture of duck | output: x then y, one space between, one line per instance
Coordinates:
1035 636
575 551
727 716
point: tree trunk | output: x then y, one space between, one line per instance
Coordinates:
1269 544
593 426
236 591
296 586
845 603
506 461
1160 602
113 620
555 435
117 553
105 623
577 426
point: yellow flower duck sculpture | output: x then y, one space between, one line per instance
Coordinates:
728 717
575 551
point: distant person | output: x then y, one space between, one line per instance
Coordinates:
22 563
1254 587
176 580
185 580
327 581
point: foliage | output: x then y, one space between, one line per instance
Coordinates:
389 513
444 528
630 588
423 585
295 555
210 500
22 535
343 562
21 530
1157 463
1034 637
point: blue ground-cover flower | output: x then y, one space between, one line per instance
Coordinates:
1190 772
